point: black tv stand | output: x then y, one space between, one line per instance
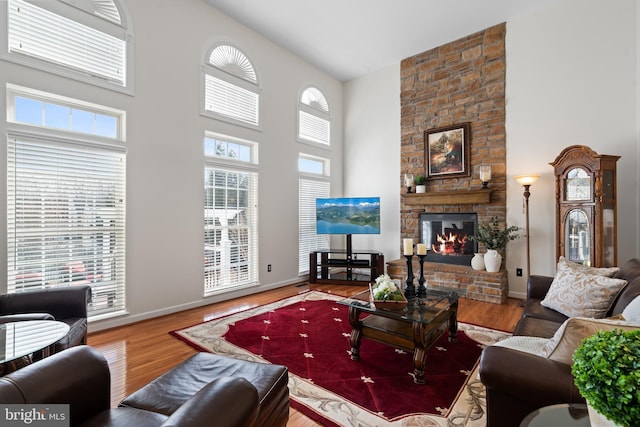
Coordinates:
345 266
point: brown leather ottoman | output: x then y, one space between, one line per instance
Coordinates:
169 391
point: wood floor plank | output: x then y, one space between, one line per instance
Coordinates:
140 352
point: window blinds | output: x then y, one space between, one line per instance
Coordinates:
41 34
66 219
313 128
230 100
309 241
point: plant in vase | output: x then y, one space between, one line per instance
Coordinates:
495 238
420 181
606 370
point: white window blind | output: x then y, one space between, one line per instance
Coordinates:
44 35
66 219
313 128
308 241
230 229
230 101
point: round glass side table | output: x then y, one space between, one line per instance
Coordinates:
562 415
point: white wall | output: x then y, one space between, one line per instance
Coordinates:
165 151
372 154
571 79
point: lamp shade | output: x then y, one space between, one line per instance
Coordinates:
527 179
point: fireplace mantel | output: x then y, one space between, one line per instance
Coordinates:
461 197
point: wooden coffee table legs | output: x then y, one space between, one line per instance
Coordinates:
415 336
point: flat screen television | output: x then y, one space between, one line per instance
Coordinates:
348 215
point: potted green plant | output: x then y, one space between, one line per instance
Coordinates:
420 181
495 238
606 370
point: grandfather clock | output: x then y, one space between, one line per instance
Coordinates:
586 217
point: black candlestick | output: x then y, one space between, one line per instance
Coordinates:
422 290
409 290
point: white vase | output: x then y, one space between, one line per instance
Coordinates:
492 261
421 188
598 420
477 262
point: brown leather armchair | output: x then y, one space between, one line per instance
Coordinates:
67 304
80 377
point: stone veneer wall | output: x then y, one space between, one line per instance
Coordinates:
477 285
462 81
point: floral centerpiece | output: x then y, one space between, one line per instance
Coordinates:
386 294
493 236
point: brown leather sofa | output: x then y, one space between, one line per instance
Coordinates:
518 383
204 390
67 304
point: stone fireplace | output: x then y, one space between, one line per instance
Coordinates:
459 82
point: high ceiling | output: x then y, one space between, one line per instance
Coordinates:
351 38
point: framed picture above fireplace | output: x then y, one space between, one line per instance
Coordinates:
447 151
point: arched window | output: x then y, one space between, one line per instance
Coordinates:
231 90
314 122
88 40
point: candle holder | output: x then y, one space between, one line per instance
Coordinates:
409 290
408 181
422 290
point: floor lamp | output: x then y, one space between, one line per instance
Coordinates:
527 181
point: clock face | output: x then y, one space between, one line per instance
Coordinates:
578 185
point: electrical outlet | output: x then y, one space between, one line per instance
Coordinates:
269 268
519 272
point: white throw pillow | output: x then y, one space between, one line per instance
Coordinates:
533 345
564 263
632 311
581 295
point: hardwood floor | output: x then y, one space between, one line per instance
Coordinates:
140 352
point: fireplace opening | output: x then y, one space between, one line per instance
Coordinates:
447 236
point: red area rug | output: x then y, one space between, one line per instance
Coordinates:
310 334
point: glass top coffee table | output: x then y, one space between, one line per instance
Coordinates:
19 340
413 328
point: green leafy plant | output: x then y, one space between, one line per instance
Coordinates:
420 180
606 370
493 236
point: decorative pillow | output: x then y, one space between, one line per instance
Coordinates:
632 311
581 295
575 329
564 263
533 345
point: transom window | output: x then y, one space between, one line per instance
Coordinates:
66 198
86 40
231 90
314 123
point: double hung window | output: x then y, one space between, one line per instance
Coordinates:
230 214
66 197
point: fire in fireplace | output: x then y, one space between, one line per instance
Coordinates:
447 237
